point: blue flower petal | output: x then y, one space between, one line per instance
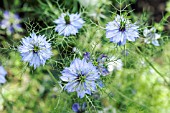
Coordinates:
155 42
76 107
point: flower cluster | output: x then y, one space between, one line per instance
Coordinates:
10 22
87 72
83 75
2 74
35 50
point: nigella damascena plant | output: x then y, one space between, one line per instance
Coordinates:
151 36
2 74
81 77
68 24
10 22
35 50
120 30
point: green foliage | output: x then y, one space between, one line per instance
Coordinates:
142 86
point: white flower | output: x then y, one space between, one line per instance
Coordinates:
151 36
114 64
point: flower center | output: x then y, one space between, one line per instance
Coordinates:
36 49
81 78
67 19
11 20
95 63
122 26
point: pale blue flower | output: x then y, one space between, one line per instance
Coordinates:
151 36
120 30
79 109
81 77
87 56
35 50
10 22
2 74
68 24
99 63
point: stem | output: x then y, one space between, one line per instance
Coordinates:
91 103
50 27
51 75
125 54
120 7
5 4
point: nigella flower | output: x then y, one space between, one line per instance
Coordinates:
35 50
81 77
114 64
151 36
79 109
10 22
120 30
2 74
87 56
68 24
99 63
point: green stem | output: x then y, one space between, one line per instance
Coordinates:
50 27
5 4
91 103
51 75
125 54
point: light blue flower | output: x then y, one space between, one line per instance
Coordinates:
87 56
68 24
35 50
120 30
81 77
99 63
151 36
10 22
2 74
79 109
